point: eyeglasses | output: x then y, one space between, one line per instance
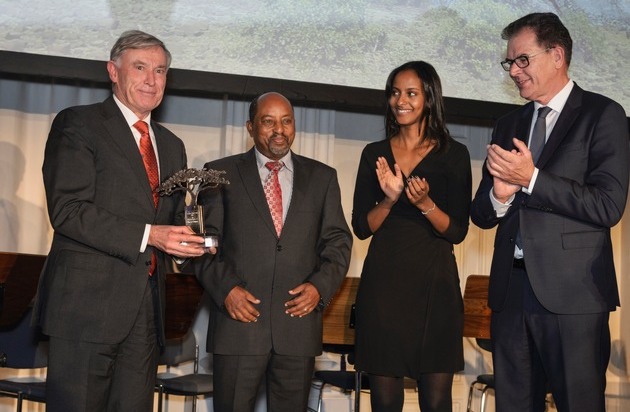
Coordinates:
521 61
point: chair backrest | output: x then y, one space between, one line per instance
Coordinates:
19 275
23 346
336 320
179 350
183 295
476 311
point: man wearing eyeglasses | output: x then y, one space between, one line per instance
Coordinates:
555 181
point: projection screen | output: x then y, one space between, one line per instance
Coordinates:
335 42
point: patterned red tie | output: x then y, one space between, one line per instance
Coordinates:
150 164
273 193
149 159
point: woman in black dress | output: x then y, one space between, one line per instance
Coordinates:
412 195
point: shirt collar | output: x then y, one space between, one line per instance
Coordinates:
129 115
261 160
559 100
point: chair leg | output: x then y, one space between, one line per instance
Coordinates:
470 396
160 395
357 391
484 393
317 385
19 402
319 400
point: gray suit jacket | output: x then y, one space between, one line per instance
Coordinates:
314 247
580 194
99 201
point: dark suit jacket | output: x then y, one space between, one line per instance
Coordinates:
99 201
314 247
580 193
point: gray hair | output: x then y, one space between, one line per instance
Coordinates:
136 39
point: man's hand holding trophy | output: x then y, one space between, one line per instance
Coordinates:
193 181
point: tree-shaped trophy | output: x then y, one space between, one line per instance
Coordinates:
193 181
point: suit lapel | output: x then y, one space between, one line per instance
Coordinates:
250 177
569 114
525 123
122 137
300 182
165 158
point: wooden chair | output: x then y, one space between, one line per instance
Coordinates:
477 316
477 325
19 275
337 327
476 311
21 345
338 338
183 296
177 352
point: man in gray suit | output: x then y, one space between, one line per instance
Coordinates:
271 278
552 281
100 295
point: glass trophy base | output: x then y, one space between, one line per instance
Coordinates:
211 240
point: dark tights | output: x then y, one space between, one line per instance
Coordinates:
387 394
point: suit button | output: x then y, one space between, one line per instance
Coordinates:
279 248
148 262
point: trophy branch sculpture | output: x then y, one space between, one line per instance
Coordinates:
193 181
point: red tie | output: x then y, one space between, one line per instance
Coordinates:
273 193
148 157
150 164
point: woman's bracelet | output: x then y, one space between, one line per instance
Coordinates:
431 209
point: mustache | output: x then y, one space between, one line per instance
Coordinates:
282 135
279 148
